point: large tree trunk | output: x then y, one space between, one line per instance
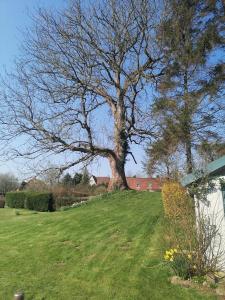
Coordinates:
118 179
187 127
118 160
189 162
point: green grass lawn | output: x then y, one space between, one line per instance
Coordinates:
110 248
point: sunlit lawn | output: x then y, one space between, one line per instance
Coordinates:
110 248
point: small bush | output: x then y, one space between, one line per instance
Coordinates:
90 190
15 199
63 191
180 262
67 201
39 201
181 266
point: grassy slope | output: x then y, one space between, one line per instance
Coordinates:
108 249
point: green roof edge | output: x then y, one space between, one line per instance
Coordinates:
210 168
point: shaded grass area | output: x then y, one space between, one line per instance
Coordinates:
110 248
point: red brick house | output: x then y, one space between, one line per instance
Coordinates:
144 184
134 183
99 180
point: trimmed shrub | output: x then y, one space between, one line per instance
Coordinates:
180 215
39 201
31 200
176 201
15 199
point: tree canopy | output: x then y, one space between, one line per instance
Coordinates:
189 103
80 85
97 77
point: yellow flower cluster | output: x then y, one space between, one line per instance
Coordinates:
169 255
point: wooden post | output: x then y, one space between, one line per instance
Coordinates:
19 296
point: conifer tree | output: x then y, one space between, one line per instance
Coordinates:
189 101
85 177
67 180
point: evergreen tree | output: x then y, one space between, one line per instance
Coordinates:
67 180
85 177
162 157
77 178
189 104
211 151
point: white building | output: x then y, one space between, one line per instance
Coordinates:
212 206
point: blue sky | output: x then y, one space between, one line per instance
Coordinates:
14 19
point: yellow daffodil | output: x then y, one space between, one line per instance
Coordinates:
169 254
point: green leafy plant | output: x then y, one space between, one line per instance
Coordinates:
182 263
199 279
213 285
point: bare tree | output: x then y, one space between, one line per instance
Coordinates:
51 175
82 70
8 183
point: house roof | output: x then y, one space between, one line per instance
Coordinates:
216 167
143 183
101 180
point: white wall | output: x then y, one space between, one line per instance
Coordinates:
92 181
213 209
